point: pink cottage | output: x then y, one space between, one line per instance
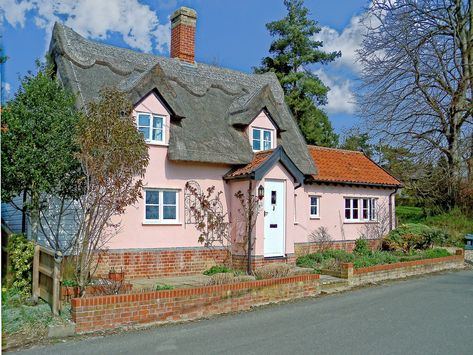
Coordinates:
227 129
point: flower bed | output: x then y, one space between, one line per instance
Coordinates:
68 292
329 261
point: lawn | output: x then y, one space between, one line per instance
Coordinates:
331 259
455 223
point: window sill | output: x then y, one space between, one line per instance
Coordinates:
360 222
157 144
315 217
171 223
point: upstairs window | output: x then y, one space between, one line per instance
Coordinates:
152 127
360 209
314 207
262 139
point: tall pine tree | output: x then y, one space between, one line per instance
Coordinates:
291 54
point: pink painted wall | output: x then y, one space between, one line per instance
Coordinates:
152 104
162 173
332 210
262 121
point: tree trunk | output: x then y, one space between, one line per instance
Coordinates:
34 215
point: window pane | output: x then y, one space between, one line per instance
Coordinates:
143 120
347 203
169 212
145 131
157 122
267 135
313 201
152 212
313 210
347 213
355 204
355 213
256 144
266 145
256 134
169 197
157 135
152 197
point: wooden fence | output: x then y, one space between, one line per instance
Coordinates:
47 277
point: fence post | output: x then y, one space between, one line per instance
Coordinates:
56 306
35 288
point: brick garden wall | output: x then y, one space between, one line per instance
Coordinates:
107 312
347 245
143 263
400 270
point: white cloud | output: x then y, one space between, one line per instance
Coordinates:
348 42
340 98
136 23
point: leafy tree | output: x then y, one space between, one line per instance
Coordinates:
113 156
359 142
38 142
292 52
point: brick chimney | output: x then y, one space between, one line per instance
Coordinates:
183 34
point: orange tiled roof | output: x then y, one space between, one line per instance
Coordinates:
338 165
258 159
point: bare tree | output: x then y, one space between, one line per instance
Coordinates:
205 210
250 206
378 229
113 156
322 238
417 78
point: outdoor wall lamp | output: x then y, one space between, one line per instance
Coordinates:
260 192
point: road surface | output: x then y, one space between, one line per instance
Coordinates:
430 315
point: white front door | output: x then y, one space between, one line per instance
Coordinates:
274 218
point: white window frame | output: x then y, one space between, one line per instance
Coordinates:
161 206
152 116
261 138
371 209
317 205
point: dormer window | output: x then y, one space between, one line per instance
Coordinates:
152 127
262 139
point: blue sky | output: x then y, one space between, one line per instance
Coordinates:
230 33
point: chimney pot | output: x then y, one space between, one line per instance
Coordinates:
183 22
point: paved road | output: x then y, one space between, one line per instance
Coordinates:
432 315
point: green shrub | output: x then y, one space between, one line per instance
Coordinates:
435 253
339 255
375 258
20 258
164 287
328 259
69 283
410 236
361 247
220 269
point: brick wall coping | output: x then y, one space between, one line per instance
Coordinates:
151 250
384 267
338 241
132 297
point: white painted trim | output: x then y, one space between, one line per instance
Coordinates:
163 130
161 220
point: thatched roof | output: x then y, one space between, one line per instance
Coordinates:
210 106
